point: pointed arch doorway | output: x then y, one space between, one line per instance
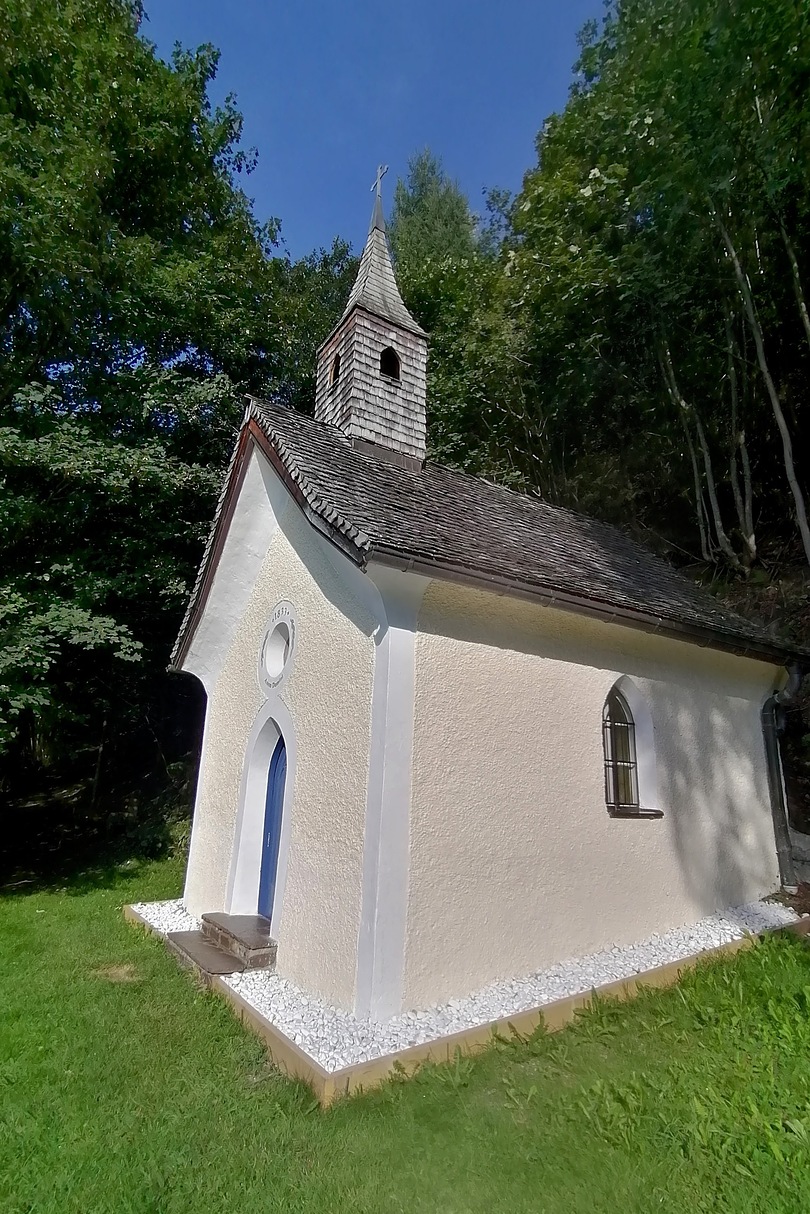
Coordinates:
271 835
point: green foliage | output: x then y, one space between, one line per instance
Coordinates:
452 281
678 152
139 300
71 498
312 294
127 263
33 635
629 335
474 390
430 217
121 233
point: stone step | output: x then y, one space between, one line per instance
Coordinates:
198 954
245 937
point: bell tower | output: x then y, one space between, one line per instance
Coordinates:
372 369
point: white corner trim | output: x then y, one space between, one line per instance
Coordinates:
242 893
646 764
381 941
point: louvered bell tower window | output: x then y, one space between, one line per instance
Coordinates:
621 764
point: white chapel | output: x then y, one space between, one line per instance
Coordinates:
454 734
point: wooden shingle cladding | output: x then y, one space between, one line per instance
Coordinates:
380 394
364 403
452 526
375 288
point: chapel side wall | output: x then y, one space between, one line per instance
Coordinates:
328 697
515 863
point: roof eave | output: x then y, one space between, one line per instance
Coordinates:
252 436
550 596
359 549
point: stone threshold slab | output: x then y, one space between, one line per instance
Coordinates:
199 955
328 1086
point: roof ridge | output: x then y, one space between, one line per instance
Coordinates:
568 511
534 499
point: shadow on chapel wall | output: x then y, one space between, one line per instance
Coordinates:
712 766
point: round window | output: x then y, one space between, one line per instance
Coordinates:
278 647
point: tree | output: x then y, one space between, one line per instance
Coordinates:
452 280
311 295
430 217
139 299
657 254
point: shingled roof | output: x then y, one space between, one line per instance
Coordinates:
375 287
450 525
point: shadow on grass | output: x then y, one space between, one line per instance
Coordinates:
79 876
44 851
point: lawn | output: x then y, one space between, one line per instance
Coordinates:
123 1088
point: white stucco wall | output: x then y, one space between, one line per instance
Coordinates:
445 822
272 554
514 861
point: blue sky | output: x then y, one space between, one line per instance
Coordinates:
329 89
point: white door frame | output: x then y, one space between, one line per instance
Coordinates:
242 894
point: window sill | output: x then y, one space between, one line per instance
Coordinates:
620 811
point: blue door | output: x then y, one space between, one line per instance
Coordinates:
274 803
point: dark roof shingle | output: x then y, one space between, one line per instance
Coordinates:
450 520
447 523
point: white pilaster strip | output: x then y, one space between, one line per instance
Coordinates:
381 943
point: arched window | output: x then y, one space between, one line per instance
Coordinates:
389 363
621 763
334 373
631 775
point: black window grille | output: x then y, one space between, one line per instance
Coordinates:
621 764
334 374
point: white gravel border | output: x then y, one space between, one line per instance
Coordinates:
336 1039
165 917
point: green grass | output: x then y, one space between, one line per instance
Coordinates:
145 1095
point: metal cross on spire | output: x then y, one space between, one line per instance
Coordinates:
381 171
377 219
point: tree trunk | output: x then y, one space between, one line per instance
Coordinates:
747 490
781 422
726 547
705 550
797 281
742 499
748 493
99 758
